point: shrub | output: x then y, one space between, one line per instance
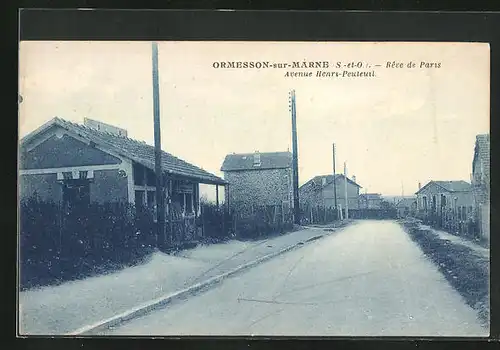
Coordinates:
58 245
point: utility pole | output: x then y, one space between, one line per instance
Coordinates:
345 192
160 208
295 160
334 181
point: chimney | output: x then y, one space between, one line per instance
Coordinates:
419 185
354 178
256 159
323 181
100 126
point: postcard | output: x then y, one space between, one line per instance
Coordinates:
179 188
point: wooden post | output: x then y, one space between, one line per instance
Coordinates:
295 161
160 217
345 190
282 213
334 182
217 196
202 213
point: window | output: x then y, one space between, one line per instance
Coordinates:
151 199
139 197
83 175
138 174
67 175
150 177
189 202
256 159
76 193
424 199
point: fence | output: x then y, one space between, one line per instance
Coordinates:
458 222
216 222
316 214
256 221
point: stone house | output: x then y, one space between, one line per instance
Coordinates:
71 163
258 179
481 183
320 191
370 201
440 199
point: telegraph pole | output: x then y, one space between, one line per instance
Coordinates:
295 160
334 182
345 191
160 208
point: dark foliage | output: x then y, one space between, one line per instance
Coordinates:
259 221
57 244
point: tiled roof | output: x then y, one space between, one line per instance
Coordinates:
318 180
268 160
138 151
482 150
454 186
450 186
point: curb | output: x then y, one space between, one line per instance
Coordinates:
179 295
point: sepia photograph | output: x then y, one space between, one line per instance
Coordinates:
254 188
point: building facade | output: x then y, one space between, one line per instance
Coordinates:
370 201
440 200
481 184
320 190
407 207
258 179
74 164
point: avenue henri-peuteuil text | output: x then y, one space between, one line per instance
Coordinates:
254 188
326 69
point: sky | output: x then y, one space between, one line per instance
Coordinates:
394 130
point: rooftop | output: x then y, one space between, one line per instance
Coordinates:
257 161
328 179
450 186
135 150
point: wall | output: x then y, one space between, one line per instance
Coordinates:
45 186
259 187
63 151
453 199
326 197
108 186
56 151
352 194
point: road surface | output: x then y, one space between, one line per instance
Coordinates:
369 279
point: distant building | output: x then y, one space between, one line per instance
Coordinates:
439 197
406 206
320 191
258 178
370 201
481 183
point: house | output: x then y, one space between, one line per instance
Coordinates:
320 191
481 184
73 163
439 198
370 201
258 178
406 206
